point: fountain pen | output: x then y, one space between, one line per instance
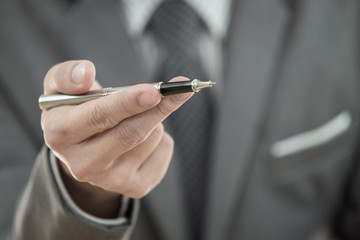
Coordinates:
169 88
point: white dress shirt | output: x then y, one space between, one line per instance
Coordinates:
215 14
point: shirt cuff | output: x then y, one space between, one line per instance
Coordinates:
121 220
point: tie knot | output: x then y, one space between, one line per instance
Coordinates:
175 19
176 26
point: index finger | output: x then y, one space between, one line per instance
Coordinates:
85 120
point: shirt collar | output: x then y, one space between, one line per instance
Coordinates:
215 14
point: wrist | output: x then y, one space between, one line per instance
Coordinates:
91 199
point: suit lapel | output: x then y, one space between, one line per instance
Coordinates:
254 46
115 58
96 32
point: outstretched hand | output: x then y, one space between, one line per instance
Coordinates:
112 145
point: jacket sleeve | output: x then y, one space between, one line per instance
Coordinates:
45 211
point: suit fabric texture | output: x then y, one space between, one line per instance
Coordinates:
291 67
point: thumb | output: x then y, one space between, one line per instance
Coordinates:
71 77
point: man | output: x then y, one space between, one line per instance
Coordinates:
285 133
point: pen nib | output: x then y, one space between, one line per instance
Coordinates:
197 85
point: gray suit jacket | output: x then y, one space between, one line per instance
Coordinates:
286 129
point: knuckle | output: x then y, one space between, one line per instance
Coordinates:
168 141
55 139
162 172
100 119
167 144
86 168
125 107
159 129
121 181
163 110
131 134
52 135
80 172
140 189
158 132
155 179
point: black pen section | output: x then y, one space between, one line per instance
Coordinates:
175 88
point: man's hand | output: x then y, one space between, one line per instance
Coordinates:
112 145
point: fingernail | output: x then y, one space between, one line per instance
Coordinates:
78 73
147 100
181 97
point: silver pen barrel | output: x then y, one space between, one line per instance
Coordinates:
50 101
